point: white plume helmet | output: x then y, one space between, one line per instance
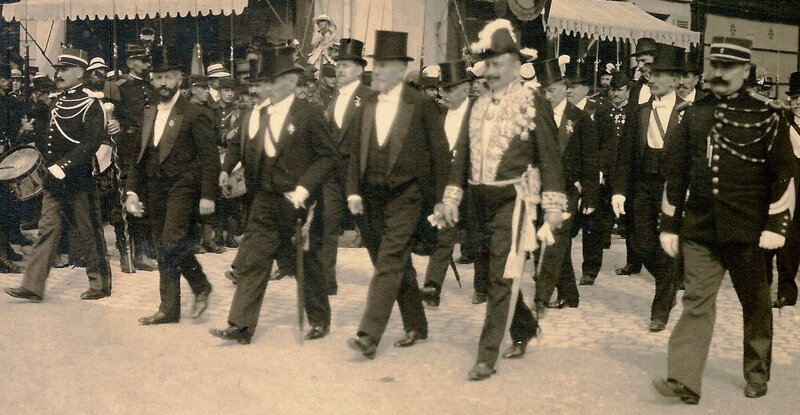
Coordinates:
526 71
529 54
432 71
485 35
477 69
610 67
563 60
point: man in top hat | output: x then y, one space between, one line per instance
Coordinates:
136 95
176 174
644 54
579 83
343 114
639 175
733 156
789 255
287 153
216 72
77 127
527 139
577 140
454 88
399 161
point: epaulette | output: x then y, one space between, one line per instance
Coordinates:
53 94
94 94
775 104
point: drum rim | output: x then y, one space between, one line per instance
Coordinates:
39 162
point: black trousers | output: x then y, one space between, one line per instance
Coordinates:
334 205
626 224
387 225
788 263
173 209
596 234
439 259
270 229
81 208
493 211
477 242
691 337
665 269
557 270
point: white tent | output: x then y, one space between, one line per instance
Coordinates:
78 9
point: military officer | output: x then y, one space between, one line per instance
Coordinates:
77 127
733 155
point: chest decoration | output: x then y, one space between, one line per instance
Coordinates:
70 110
749 126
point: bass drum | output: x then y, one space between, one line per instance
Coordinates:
235 186
22 170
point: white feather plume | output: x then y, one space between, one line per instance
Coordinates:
564 59
485 35
477 69
610 67
529 54
431 71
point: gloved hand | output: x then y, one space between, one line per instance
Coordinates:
298 197
669 242
206 207
355 204
56 171
618 204
113 127
554 219
545 234
223 178
133 205
771 240
450 213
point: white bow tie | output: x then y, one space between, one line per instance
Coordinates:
660 104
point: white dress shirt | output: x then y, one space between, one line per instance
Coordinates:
662 107
277 116
558 112
255 118
644 94
453 121
690 97
582 103
345 93
162 115
386 111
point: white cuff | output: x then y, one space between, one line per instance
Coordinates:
452 195
301 192
351 198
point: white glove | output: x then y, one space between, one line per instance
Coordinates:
297 197
133 205
618 204
56 171
223 178
355 204
771 240
545 234
113 127
669 242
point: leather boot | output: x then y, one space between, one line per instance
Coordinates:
126 264
142 262
208 241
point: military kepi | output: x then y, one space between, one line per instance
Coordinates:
391 46
72 57
730 49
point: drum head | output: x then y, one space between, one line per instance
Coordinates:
17 162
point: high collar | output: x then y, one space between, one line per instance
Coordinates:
668 99
393 94
560 107
350 88
282 105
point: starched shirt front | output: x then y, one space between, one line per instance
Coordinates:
343 100
162 115
386 111
453 121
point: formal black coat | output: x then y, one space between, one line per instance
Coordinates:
187 147
304 152
418 149
731 199
579 145
610 122
634 142
344 137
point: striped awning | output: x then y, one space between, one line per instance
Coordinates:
101 9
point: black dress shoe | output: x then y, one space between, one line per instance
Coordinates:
157 318
364 344
464 260
782 302
232 275
143 263
232 333
755 390
317 333
430 295
559 304
628 270
231 243
24 294
12 255
479 298
516 350
8 267
411 338
481 371
657 325
92 294
587 280
673 389
200 303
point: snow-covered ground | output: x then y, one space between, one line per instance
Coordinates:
77 357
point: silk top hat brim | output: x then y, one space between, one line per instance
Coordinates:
454 73
390 46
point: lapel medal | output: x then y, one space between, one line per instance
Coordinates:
357 101
570 127
290 129
171 123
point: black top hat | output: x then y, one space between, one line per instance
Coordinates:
276 62
730 49
351 49
645 45
668 58
453 73
390 46
5 71
794 84
547 71
690 66
166 60
72 57
618 80
134 51
580 72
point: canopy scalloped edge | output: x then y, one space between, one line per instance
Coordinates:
123 9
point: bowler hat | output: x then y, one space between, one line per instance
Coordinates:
794 84
328 71
668 58
278 61
351 49
229 83
198 80
453 73
547 71
72 57
645 45
390 46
